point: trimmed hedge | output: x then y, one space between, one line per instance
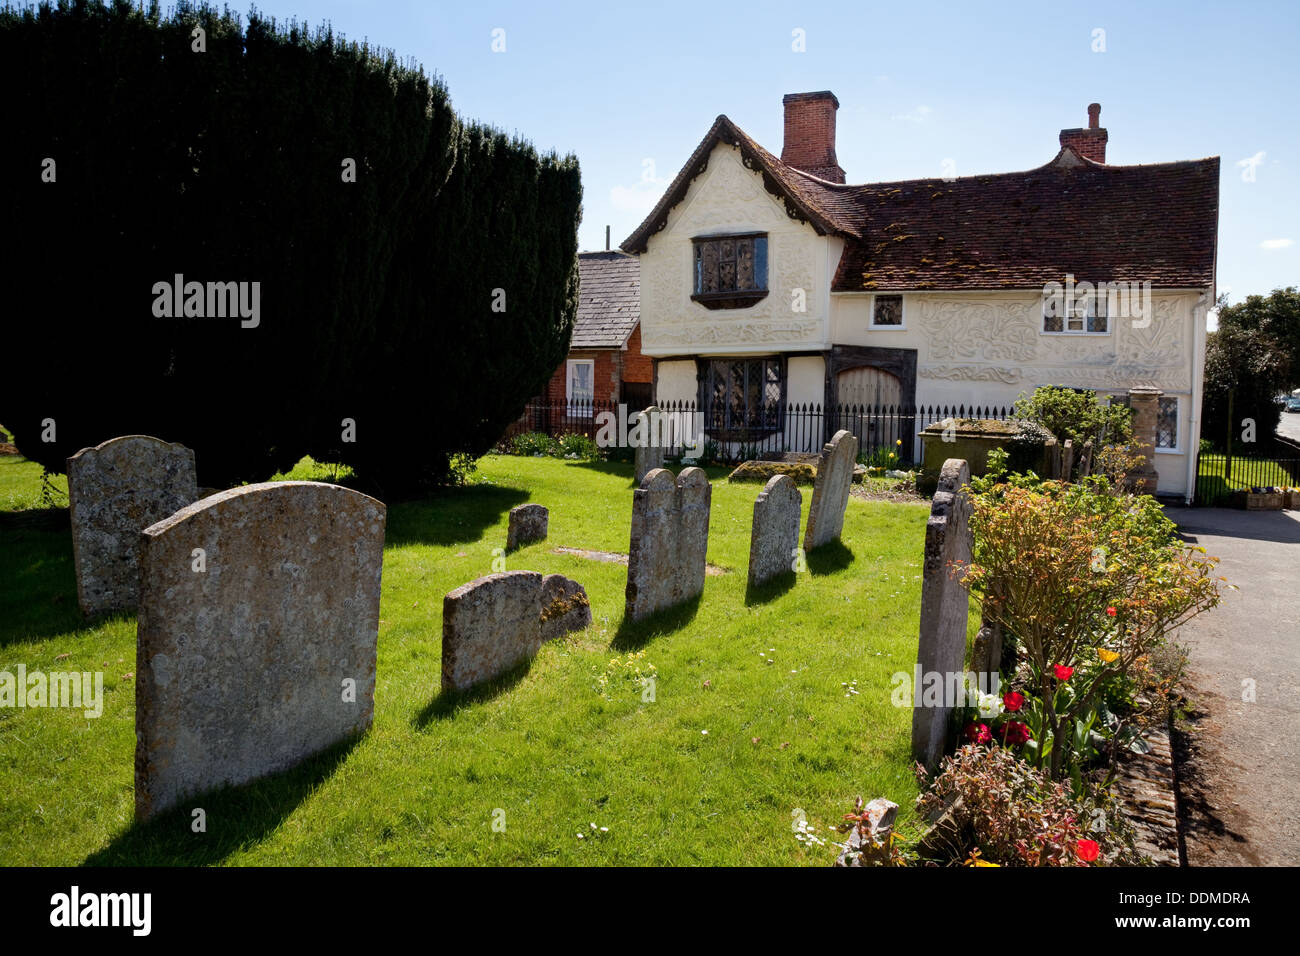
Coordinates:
376 296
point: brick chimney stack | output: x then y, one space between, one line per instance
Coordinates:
810 134
1089 143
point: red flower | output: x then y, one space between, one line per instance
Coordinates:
1013 701
1111 611
1087 850
1014 732
1063 673
978 733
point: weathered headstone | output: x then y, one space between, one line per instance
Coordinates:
527 524
648 435
945 604
115 491
496 622
670 538
564 607
775 531
831 490
259 621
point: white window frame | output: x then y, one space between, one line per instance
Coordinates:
1178 426
570 410
1093 298
871 314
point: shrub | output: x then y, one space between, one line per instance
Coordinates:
579 444
1010 814
534 443
1087 581
1076 415
376 295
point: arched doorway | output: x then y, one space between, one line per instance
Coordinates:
869 404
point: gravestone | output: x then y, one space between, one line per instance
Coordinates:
115 491
496 622
648 427
259 620
945 605
775 532
528 523
831 490
564 607
670 538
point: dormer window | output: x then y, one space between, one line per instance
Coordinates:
730 271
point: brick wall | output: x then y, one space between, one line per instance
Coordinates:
637 367
613 367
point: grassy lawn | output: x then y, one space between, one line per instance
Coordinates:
542 745
1246 473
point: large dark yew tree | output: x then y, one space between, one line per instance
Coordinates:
379 298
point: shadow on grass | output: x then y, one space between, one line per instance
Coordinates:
770 589
633 635
830 557
235 817
453 516
39 596
449 702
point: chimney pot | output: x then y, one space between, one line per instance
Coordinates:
1090 143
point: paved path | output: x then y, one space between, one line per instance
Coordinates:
1288 426
1240 784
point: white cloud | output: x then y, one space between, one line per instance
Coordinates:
918 115
1255 160
1277 244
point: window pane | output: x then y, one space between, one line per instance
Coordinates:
1167 424
1097 312
744 263
760 262
1052 322
888 310
709 253
726 275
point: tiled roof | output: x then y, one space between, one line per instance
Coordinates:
609 300
1154 223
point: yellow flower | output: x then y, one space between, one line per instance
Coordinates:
1108 656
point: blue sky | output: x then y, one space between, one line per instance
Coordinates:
630 88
